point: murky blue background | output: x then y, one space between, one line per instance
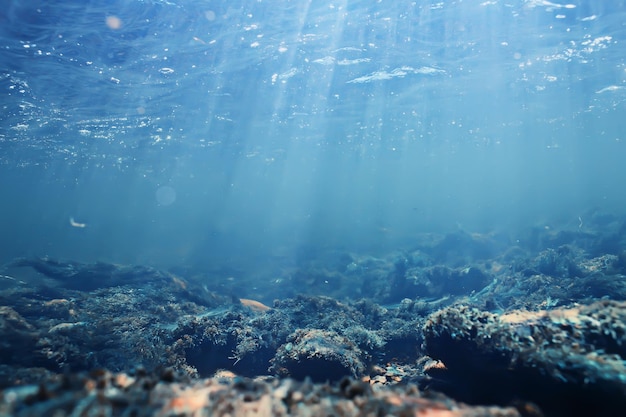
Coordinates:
253 134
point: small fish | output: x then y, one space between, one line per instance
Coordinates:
610 88
254 305
74 223
12 279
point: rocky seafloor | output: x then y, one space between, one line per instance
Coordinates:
458 324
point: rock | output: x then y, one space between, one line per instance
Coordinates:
321 355
571 360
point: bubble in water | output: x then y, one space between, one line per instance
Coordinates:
114 22
165 195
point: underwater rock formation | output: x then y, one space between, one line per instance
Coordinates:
321 355
166 394
569 359
532 329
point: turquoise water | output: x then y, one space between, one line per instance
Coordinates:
249 135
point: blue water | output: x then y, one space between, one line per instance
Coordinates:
251 135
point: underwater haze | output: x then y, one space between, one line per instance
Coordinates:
258 134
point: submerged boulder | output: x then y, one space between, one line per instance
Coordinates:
570 359
321 355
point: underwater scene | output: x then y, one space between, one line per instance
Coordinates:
312 208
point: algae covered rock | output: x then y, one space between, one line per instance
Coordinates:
319 354
570 358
